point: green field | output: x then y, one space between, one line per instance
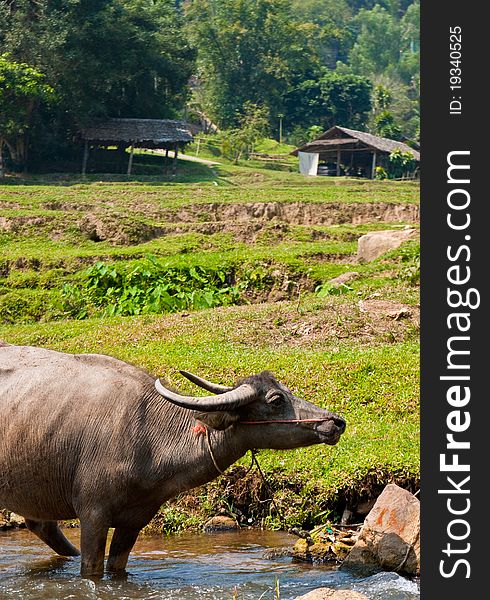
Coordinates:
262 245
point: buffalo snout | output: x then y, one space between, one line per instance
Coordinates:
339 422
330 430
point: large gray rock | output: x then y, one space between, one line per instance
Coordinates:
376 243
330 594
390 537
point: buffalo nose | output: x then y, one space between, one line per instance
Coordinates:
340 423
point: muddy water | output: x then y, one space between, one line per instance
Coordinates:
186 567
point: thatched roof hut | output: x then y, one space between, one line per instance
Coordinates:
163 134
347 151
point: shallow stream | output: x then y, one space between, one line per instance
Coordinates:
220 566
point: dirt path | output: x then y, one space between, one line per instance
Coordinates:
188 157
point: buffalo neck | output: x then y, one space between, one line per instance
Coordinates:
184 453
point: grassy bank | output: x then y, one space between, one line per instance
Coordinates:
358 364
352 349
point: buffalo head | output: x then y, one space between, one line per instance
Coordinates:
261 410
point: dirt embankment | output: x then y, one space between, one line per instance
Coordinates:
297 213
245 221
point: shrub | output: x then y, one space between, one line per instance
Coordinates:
149 286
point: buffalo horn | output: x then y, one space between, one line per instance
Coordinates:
215 388
243 394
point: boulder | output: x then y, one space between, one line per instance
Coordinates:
220 523
330 594
390 537
388 308
376 243
10 519
16 520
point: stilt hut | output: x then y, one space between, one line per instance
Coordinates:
342 151
164 134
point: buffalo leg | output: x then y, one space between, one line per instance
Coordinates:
122 542
92 541
50 534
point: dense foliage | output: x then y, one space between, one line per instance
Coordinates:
117 58
303 63
309 62
149 286
22 88
248 51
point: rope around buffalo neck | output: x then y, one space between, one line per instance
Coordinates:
215 463
253 452
203 429
212 453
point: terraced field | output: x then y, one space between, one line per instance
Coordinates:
225 271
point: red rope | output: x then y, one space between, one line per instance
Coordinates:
200 429
283 421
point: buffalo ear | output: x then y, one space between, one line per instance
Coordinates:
217 420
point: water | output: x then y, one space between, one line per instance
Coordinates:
185 567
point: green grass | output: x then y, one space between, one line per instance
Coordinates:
372 383
364 365
33 293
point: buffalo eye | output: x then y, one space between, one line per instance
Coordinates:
275 398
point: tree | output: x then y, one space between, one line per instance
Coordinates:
252 125
22 88
347 99
409 69
395 111
335 32
248 51
385 126
125 58
332 99
377 48
104 58
392 65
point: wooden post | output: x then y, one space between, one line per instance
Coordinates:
85 158
130 161
198 146
373 168
174 165
338 163
165 161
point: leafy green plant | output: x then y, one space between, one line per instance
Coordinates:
401 164
411 257
22 88
256 276
148 286
327 289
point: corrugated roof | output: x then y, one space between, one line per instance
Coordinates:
138 131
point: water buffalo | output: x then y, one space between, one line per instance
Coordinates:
88 436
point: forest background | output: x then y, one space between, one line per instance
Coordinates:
286 69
